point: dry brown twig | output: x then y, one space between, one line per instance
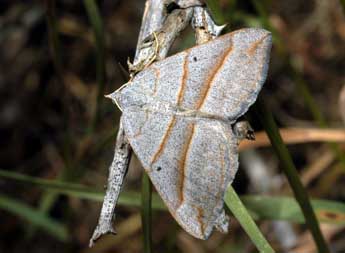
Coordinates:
295 136
317 166
306 242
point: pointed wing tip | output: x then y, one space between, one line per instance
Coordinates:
202 236
192 223
266 35
267 41
110 96
262 35
258 34
114 98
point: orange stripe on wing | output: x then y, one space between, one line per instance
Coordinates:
139 132
212 75
157 75
164 140
182 162
255 45
183 80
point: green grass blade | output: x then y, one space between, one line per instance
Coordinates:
240 212
267 120
269 124
97 26
286 208
260 207
146 212
34 216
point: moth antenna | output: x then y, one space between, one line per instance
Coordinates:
154 57
122 87
124 73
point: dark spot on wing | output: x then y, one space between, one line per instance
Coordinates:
159 168
195 59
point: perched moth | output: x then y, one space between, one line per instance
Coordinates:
179 116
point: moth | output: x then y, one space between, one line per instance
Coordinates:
179 115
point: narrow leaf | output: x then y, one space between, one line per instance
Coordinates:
34 216
260 207
267 120
240 212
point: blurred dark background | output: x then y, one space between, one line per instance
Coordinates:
52 126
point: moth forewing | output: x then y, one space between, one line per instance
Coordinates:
192 158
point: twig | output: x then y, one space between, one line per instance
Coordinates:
322 162
165 34
117 172
295 136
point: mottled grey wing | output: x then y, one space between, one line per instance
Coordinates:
236 80
222 77
190 162
177 79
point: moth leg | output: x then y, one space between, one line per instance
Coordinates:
117 171
156 50
149 58
243 130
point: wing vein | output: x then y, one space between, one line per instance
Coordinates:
182 164
157 76
184 79
212 75
255 45
164 140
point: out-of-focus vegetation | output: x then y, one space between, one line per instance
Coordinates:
57 132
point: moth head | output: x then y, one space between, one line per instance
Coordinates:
243 130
